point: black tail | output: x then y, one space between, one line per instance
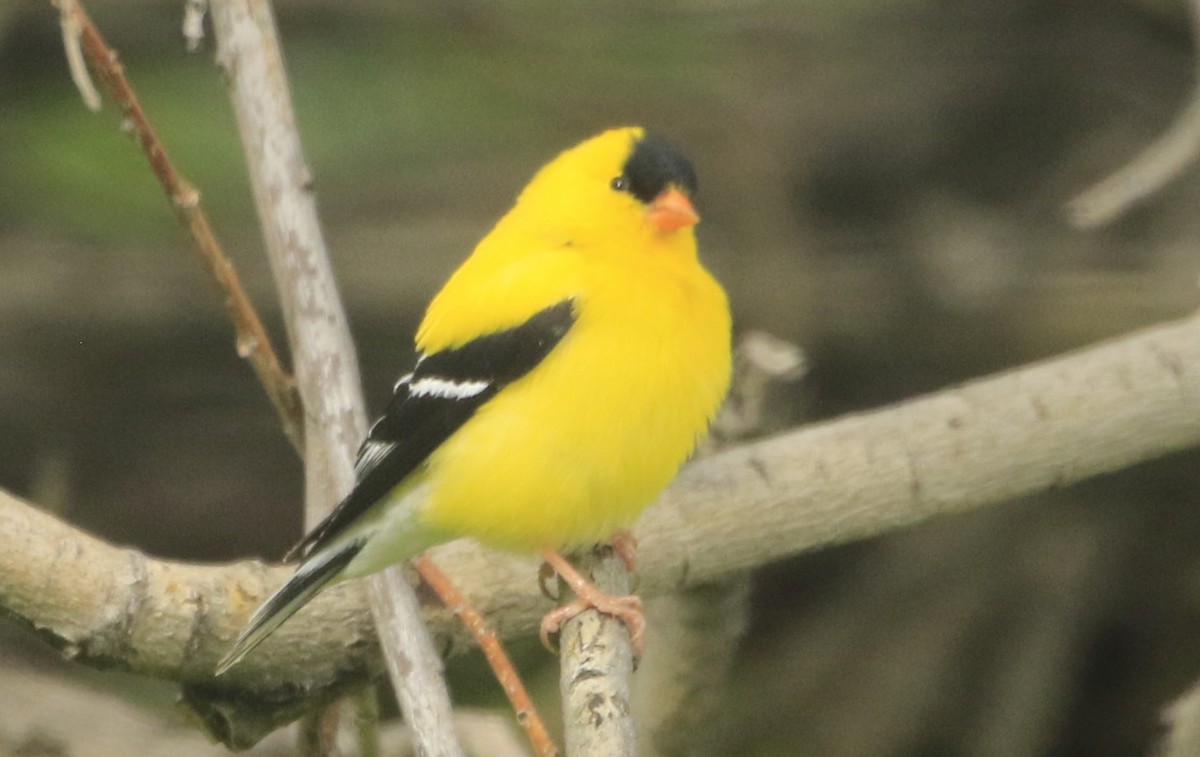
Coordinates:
312 576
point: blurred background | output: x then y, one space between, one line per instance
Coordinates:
882 183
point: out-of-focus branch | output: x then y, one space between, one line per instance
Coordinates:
32 723
759 360
252 341
1039 427
692 639
69 19
324 355
1182 719
1156 166
193 23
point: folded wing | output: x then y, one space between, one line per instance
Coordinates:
431 403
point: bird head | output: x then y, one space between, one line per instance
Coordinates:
621 182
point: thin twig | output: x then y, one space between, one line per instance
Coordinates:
253 344
1156 166
595 680
485 636
68 19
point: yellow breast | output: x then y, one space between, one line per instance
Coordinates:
582 444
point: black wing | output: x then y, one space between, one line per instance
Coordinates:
431 403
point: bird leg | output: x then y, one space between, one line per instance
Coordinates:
628 609
625 545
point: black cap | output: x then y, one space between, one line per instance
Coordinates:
654 165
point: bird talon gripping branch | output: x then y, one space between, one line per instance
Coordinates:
626 608
546 574
564 373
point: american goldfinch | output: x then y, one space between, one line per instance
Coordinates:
566 370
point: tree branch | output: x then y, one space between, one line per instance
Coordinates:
1040 427
32 722
691 652
1182 720
1156 166
324 355
596 664
253 343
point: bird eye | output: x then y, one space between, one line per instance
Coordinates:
620 183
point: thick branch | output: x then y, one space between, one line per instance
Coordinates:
32 723
1040 427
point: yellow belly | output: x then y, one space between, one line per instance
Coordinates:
582 444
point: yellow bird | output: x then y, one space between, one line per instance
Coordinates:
565 372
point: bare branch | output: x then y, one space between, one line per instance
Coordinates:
759 360
1155 167
252 341
33 723
596 661
68 19
1040 427
324 355
1182 718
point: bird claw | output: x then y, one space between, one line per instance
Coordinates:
626 608
546 573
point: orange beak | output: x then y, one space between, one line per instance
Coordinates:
672 210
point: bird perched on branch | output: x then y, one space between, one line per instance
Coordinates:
565 372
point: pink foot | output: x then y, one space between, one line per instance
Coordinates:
627 609
625 545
